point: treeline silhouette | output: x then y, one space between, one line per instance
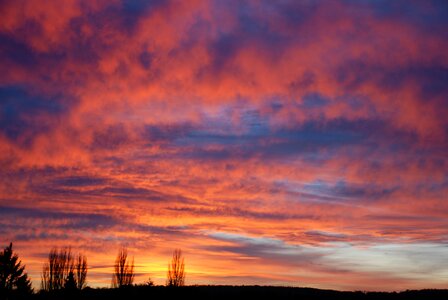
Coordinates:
64 276
65 271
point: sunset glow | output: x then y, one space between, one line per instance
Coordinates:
299 143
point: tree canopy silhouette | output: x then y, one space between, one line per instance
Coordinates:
123 270
12 273
176 270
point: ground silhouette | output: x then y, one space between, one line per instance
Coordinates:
234 292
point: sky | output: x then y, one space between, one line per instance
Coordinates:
296 143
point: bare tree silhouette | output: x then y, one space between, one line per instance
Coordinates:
56 270
81 272
12 275
62 271
176 270
123 270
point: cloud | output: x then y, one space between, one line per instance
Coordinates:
297 124
66 220
271 250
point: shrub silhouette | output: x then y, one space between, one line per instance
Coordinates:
176 270
123 270
70 283
12 275
61 271
149 282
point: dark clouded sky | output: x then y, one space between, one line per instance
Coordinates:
276 142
